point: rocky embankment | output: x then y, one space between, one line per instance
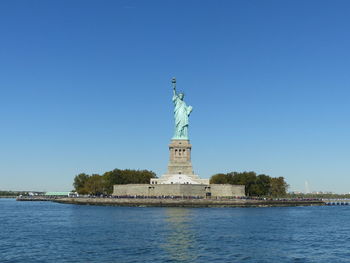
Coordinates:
35 198
179 202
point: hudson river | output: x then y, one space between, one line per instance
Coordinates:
51 232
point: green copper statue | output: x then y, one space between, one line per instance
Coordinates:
181 114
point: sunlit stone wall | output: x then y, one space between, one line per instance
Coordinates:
179 190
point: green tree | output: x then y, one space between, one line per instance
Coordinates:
127 176
278 187
219 179
246 178
79 183
255 185
95 185
263 185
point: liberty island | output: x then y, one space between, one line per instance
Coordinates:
178 187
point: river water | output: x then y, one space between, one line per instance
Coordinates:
51 232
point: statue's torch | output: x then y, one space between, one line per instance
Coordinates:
174 82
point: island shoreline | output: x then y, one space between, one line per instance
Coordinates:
154 202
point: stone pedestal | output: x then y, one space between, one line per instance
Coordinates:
180 157
180 169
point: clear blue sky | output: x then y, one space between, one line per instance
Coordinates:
85 87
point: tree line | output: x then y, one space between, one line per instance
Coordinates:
255 185
96 184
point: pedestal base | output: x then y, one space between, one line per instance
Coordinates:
179 179
180 166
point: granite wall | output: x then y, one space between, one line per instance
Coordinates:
214 190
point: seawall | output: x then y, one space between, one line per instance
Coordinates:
35 198
154 202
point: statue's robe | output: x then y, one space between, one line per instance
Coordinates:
181 113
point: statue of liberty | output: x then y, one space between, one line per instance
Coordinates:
181 114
